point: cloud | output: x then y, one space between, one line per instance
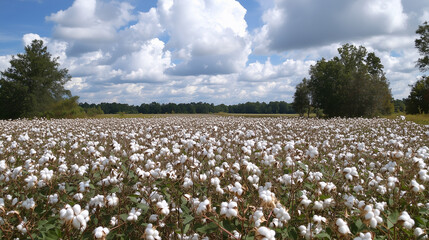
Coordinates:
209 37
147 64
198 50
302 24
267 72
87 24
4 62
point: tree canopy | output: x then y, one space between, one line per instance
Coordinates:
301 98
418 100
422 44
32 84
352 84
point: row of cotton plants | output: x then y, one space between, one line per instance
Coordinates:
214 178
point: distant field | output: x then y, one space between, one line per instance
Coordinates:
420 118
197 115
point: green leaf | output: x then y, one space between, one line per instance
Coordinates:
228 225
186 229
143 207
188 219
208 228
133 199
124 216
114 190
392 219
323 236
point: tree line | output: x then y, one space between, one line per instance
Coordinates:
273 107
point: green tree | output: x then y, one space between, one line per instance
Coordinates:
301 98
352 84
32 84
418 100
422 44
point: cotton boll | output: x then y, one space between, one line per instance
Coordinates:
163 207
266 233
229 209
100 232
342 226
364 236
151 233
406 220
419 233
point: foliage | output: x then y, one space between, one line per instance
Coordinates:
350 85
418 100
32 84
399 105
67 108
301 98
422 44
274 107
93 111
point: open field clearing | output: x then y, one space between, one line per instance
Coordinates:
213 177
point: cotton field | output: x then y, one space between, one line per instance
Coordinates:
214 178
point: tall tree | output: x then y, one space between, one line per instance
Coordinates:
352 84
301 98
422 44
418 100
32 84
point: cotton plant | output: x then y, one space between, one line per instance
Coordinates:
255 175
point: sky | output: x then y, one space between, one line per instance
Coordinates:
215 51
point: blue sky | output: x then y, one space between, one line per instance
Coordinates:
217 51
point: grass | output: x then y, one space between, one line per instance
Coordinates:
417 118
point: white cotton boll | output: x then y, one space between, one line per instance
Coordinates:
318 205
31 181
202 206
229 209
76 223
153 218
344 230
237 189
187 183
364 236
342 226
52 199
163 207
419 233
408 222
258 217
281 213
305 201
319 219
77 209
29 203
78 196
113 221
112 200
266 233
100 232
133 214
416 187
151 233
46 174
